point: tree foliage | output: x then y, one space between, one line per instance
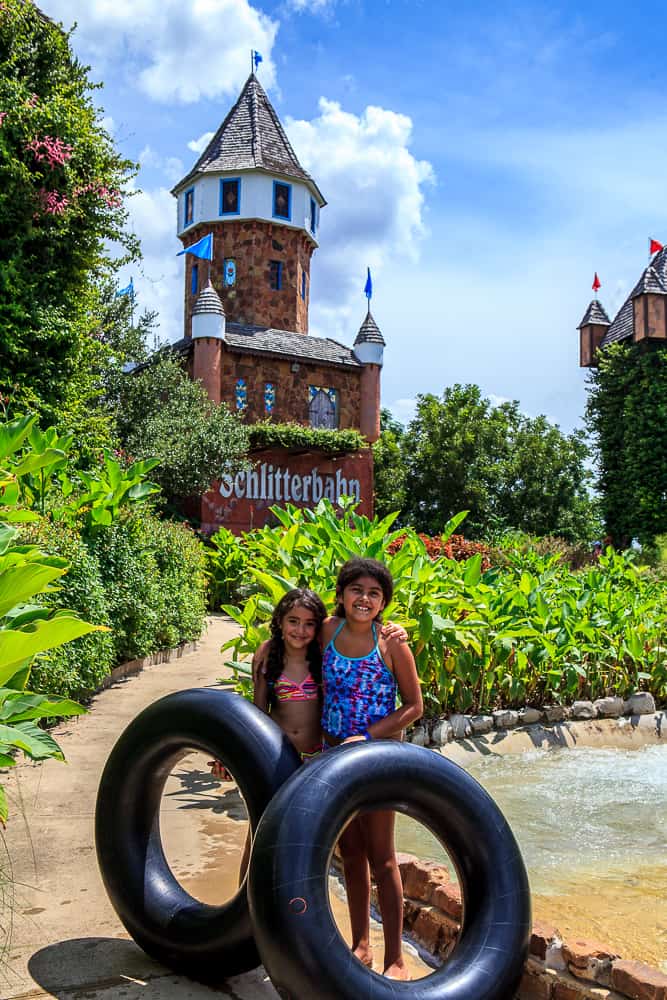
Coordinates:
627 413
508 470
61 207
388 466
164 414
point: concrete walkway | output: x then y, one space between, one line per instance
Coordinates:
66 940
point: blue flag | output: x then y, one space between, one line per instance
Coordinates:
202 249
368 287
128 290
256 58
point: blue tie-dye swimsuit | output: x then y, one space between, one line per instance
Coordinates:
358 690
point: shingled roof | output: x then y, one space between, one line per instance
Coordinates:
280 344
369 332
654 280
595 313
251 138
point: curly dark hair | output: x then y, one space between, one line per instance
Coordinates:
353 569
275 660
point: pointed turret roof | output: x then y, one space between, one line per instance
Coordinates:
623 323
649 282
208 301
595 313
369 332
251 138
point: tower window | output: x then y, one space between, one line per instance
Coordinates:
323 407
282 201
194 279
303 285
188 206
230 196
313 216
276 275
269 397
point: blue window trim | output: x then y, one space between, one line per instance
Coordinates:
279 275
313 216
283 218
303 285
186 221
194 279
226 180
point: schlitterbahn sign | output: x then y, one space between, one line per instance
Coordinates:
269 483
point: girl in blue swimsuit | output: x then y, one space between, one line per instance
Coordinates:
362 672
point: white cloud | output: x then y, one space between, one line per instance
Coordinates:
404 409
170 166
159 284
374 186
200 144
310 6
108 124
175 51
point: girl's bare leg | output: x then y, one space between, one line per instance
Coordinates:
352 845
378 828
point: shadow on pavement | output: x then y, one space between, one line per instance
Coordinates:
91 963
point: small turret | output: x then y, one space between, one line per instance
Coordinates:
648 307
592 330
369 350
208 333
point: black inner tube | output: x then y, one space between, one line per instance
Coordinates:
300 945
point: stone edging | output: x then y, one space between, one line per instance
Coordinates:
132 667
456 726
555 970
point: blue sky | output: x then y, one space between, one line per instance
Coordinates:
484 159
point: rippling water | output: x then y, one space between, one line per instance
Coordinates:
592 828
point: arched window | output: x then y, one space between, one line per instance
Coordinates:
323 407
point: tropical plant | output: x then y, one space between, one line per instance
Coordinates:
226 565
529 631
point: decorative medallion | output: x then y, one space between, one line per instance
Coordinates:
230 273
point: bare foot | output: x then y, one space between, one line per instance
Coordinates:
365 956
397 971
219 771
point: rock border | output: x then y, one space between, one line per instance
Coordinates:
555 970
449 728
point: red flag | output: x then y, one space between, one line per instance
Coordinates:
596 282
654 247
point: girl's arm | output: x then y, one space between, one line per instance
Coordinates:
412 708
260 687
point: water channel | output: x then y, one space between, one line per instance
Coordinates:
591 824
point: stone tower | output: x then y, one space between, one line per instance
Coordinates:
249 189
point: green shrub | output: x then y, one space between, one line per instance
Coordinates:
226 564
79 667
181 562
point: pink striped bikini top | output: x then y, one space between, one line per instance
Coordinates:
288 690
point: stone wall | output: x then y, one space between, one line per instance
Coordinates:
252 245
555 970
290 380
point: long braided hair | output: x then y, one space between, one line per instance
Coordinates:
275 660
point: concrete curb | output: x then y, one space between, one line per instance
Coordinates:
132 667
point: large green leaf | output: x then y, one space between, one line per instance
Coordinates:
35 742
14 433
19 583
18 706
17 645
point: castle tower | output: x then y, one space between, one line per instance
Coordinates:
592 330
208 330
249 190
369 351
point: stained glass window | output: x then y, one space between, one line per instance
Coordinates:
269 397
323 407
241 394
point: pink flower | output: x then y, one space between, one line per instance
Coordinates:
54 150
33 101
51 202
3 115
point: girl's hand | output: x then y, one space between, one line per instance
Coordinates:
394 631
354 739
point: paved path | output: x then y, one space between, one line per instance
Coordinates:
66 940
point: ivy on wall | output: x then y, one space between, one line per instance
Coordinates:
627 413
295 437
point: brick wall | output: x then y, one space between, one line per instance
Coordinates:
253 245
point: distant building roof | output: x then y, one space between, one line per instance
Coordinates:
369 332
208 301
280 344
654 280
595 313
251 138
